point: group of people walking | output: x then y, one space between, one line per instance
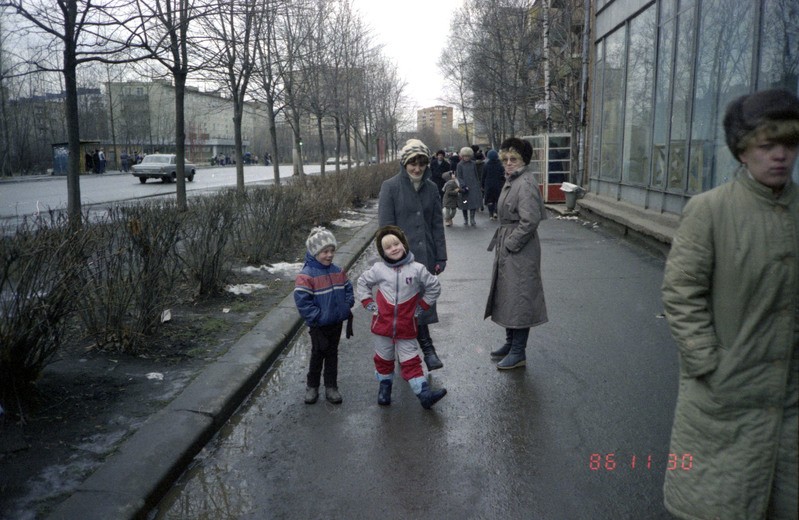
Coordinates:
730 292
401 290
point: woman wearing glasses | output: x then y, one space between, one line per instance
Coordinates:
516 299
410 200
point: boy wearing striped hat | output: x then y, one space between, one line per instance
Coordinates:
323 295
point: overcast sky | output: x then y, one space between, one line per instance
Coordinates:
413 33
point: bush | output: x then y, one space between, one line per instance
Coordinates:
129 272
268 215
37 281
208 226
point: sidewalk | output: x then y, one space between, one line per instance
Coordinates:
133 479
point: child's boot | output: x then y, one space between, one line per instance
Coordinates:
426 396
384 392
311 395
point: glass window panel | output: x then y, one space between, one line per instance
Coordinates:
779 48
638 106
663 90
682 96
723 72
559 142
596 119
609 167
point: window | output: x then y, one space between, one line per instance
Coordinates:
612 84
723 72
636 156
682 96
663 91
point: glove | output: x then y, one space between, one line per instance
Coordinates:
372 307
350 333
418 312
440 266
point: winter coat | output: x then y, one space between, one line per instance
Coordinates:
419 215
731 295
467 177
516 297
401 287
323 294
438 173
493 180
451 194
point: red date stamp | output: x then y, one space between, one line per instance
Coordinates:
613 461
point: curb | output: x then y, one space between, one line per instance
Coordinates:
137 475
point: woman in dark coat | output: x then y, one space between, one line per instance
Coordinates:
410 200
470 197
516 299
493 180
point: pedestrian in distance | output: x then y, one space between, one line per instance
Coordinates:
516 298
397 291
125 158
438 171
451 193
731 296
471 196
410 201
324 296
493 180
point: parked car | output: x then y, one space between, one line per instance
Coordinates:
343 160
161 166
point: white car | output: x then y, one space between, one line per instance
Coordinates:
343 160
161 166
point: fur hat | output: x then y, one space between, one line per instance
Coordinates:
412 148
319 239
466 151
389 230
745 114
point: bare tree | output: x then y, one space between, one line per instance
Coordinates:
162 30
233 32
80 31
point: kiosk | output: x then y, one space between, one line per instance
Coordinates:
552 161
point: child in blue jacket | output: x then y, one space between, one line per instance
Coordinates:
324 296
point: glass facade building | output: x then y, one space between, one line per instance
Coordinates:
664 72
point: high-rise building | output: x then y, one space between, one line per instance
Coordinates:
439 118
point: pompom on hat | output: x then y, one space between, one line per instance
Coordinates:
412 148
318 239
746 113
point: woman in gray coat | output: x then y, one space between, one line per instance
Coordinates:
410 201
516 299
470 197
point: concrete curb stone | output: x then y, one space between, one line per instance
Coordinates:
135 477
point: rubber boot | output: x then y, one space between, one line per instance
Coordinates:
384 392
430 397
504 350
426 343
516 357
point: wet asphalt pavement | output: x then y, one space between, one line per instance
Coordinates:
581 433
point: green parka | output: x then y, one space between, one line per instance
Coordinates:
731 294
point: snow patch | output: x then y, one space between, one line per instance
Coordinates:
244 288
348 223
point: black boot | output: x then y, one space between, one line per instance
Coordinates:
503 351
516 357
429 351
430 397
384 393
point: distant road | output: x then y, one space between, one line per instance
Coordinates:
20 198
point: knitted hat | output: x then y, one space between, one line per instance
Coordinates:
319 239
412 148
389 230
493 155
745 114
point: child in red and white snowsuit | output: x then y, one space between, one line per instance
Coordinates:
404 288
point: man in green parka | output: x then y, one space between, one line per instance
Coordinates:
731 294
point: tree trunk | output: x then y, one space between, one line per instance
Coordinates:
238 109
321 143
180 140
73 127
